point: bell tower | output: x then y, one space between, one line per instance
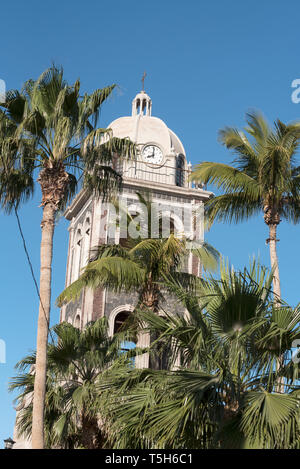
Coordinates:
161 169
141 104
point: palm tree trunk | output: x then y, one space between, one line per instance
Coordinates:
274 262
150 295
47 227
91 434
277 291
53 180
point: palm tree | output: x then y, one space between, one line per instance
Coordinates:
224 395
264 178
139 264
61 124
16 185
76 362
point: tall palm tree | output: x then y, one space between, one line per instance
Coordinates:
224 395
140 264
76 362
62 124
264 178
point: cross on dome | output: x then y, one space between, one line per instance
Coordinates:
143 80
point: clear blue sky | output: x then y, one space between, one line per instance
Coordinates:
207 63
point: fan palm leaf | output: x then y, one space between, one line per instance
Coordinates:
263 178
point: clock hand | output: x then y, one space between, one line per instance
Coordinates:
152 154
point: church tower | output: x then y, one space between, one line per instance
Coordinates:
161 169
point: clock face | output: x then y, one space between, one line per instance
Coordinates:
152 154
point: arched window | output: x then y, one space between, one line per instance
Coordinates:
77 251
120 320
170 223
138 104
180 171
126 345
133 228
166 226
77 321
86 243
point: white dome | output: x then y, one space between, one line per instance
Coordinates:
142 128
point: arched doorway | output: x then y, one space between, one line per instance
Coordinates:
119 322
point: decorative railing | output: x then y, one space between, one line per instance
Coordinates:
163 174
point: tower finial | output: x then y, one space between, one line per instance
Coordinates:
142 104
143 80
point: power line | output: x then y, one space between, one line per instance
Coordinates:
31 270
27 253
